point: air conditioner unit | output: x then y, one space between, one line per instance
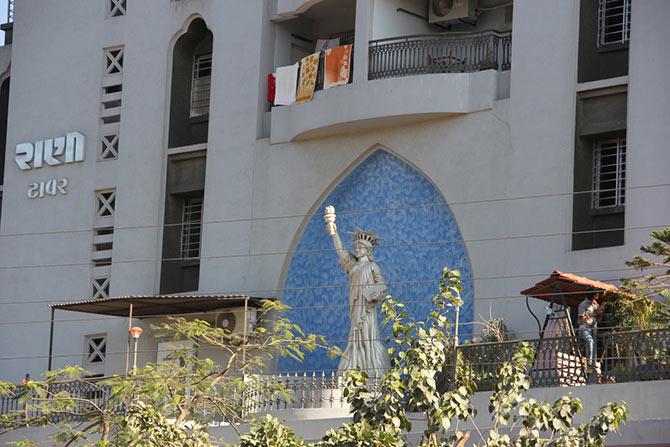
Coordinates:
448 10
233 320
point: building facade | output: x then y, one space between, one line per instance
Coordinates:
142 157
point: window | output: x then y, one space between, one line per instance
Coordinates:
100 288
191 228
116 8
103 243
201 84
110 147
96 349
609 174
613 22
105 203
113 60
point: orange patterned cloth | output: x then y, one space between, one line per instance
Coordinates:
337 66
308 68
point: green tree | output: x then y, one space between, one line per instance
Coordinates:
170 404
419 354
648 303
166 404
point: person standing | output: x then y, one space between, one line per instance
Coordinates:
588 312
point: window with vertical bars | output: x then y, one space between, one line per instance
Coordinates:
201 85
609 174
191 228
613 22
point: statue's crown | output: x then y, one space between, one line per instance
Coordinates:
367 237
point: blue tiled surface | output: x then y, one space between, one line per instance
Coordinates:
419 237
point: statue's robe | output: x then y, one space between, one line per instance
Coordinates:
367 287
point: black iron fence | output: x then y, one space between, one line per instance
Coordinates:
440 53
622 357
84 396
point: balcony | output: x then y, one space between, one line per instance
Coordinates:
624 357
634 356
440 53
410 79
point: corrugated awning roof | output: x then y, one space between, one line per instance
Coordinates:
159 305
574 288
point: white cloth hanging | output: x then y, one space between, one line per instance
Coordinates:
287 82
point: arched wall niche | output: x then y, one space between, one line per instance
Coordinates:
384 193
185 171
190 85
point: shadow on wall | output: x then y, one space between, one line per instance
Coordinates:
419 237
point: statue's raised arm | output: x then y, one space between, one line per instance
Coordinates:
331 229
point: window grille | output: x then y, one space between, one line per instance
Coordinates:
201 85
96 348
105 203
110 147
100 288
113 60
613 22
191 228
609 174
116 8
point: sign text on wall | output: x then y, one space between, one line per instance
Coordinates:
52 152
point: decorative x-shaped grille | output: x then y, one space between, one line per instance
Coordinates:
110 147
113 60
100 288
97 348
117 8
105 203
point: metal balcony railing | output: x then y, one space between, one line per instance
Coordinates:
10 11
440 53
84 393
622 357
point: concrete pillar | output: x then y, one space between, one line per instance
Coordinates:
648 133
364 21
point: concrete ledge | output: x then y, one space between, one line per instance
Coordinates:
373 104
288 9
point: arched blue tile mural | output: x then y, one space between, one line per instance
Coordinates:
419 237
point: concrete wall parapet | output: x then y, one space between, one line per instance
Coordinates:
380 103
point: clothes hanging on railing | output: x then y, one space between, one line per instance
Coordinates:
309 67
272 88
286 84
337 66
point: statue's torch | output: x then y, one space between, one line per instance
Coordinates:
329 218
